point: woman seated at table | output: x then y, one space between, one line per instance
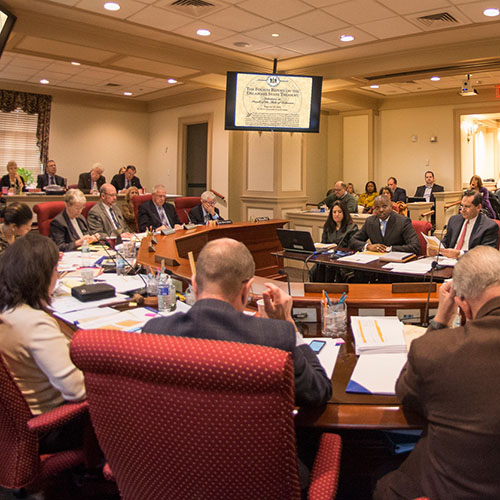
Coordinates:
17 222
476 183
32 345
128 211
337 229
12 180
367 198
69 229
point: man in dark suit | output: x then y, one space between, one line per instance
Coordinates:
91 182
386 231
206 210
469 229
397 193
450 381
222 283
128 179
426 191
158 214
49 178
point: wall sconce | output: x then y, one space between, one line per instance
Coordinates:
471 129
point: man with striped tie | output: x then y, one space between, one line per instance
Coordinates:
105 217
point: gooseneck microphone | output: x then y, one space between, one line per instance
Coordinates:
434 265
284 273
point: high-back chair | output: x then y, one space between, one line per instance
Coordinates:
184 204
45 212
20 462
87 207
422 226
197 419
137 201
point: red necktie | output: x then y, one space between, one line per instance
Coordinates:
460 243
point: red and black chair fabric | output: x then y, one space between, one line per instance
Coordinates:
184 204
422 226
20 462
46 211
193 418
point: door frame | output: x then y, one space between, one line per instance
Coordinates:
182 127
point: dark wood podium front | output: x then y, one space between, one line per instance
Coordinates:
259 237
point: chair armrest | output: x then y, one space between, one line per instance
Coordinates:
325 473
57 417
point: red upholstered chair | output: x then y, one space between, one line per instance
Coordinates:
73 186
422 226
87 207
137 201
45 213
192 418
184 204
20 463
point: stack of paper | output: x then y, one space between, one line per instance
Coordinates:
360 258
378 334
376 374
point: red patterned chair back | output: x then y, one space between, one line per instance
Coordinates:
137 201
191 418
18 446
184 204
422 226
87 207
45 212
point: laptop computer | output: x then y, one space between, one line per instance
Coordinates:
296 241
415 199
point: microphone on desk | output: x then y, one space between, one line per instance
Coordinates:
434 266
191 224
284 273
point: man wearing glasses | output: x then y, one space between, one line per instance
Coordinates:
469 229
206 210
105 217
156 213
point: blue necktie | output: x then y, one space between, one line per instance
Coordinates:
383 224
115 220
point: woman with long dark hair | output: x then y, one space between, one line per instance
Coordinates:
32 345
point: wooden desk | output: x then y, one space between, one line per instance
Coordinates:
260 238
372 267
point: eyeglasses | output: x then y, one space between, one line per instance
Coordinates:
211 203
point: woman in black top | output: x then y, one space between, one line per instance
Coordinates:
338 229
12 180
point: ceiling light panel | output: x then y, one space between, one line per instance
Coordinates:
216 33
286 34
333 37
274 9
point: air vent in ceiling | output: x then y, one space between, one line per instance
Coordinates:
444 19
192 3
112 84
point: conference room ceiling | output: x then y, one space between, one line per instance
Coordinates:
150 48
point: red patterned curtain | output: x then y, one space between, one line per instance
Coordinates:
33 104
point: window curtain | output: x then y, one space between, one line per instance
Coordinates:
32 104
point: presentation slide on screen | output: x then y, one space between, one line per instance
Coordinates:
273 101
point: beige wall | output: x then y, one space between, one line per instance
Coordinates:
81 135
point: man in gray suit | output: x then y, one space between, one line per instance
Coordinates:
105 217
451 381
386 231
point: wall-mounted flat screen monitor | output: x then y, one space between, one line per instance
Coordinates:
7 21
272 102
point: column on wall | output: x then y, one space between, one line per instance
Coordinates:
357 148
273 174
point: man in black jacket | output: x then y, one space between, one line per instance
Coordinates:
49 178
128 179
206 210
426 191
156 213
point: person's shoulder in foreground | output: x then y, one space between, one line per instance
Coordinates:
448 382
224 274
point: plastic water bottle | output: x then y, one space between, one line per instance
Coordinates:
164 286
85 249
120 265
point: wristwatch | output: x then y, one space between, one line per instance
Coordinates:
436 325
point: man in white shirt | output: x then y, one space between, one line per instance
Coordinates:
469 229
426 191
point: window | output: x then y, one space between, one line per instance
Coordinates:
18 141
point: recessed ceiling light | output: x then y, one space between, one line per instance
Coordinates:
275 35
128 93
172 80
435 78
44 81
203 32
113 6
346 38
374 86
491 12
75 63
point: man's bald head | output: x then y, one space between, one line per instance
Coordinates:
222 268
